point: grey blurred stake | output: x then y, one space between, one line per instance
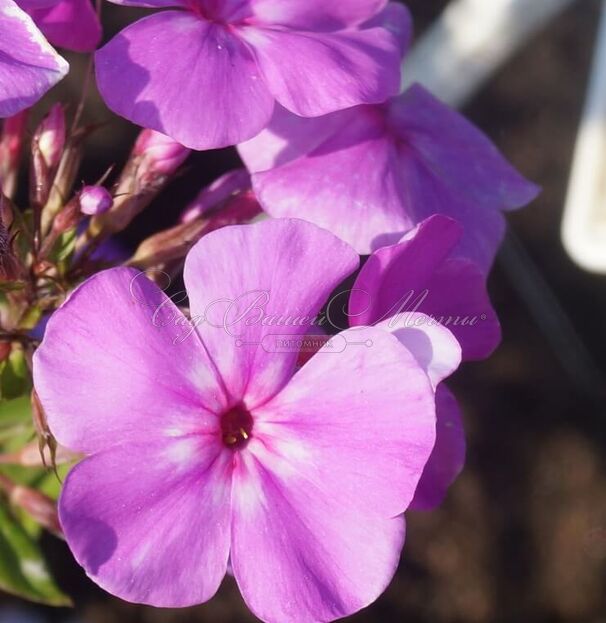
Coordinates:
471 40
549 315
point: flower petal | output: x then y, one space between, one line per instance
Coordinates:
302 558
397 19
29 66
288 137
459 154
316 15
70 24
327 71
423 193
417 275
131 362
433 346
252 288
181 75
350 184
358 421
152 4
334 459
150 522
448 457
29 5
373 172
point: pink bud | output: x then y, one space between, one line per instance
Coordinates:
11 143
160 154
95 200
41 507
217 193
50 136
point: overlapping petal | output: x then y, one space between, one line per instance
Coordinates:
70 24
246 314
433 346
30 5
288 137
149 521
111 343
418 275
327 71
29 66
448 456
461 157
316 15
151 4
349 184
186 77
320 487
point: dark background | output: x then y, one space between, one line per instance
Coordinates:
522 535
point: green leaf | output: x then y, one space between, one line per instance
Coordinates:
65 246
15 412
30 318
23 569
14 375
11 286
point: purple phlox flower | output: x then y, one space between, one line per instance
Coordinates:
209 72
29 66
69 24
417 287
206 445
371 173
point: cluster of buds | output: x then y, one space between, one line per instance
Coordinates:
59 238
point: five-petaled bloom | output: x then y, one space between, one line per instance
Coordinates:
209 72
206 448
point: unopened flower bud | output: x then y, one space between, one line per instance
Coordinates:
154 159
217 193
5 350
95 200
31 455
159 155
64 178
47 148
173 244
68 217
50 136
11 144
41 508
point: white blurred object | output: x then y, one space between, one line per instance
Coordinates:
584 225
471 40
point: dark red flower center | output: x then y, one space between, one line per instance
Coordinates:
236 427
